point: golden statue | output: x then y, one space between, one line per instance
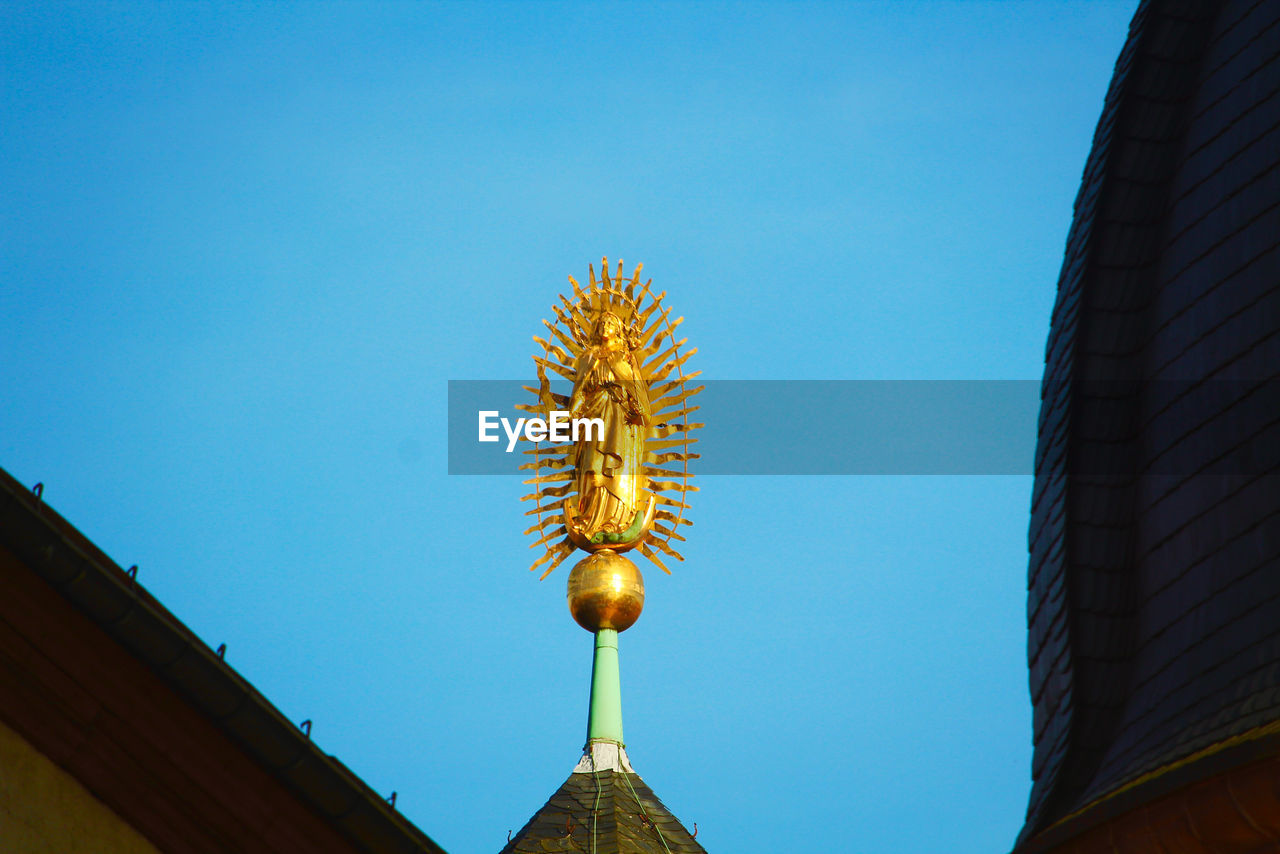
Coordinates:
620 482
612 503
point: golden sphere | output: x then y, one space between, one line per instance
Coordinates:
606 591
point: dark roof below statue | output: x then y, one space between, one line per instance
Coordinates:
605 810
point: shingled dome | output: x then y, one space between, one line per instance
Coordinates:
1154 581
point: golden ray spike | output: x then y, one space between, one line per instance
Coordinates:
609 299
551 535
635 282
664 402
651 343
653 558
672 403
666 499
537 466
645 354
662 515
561 553
575 320
655 300
660 432
555 477
672 365
544 508
670 486
543 463
662 390
662 544
563 370
540 561
575 329
671 443
609 290
643 311
572 345
673 457
559 548
591 271
653 327
662 357
561 400
554 492
678 390
682 470
643 316
645 292
553 349
542 450
626 306
657 472
547 521
584 316
617 277
668 415
669 534
542 399
539 463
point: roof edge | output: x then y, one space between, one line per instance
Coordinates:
110 597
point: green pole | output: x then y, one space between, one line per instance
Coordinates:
604 721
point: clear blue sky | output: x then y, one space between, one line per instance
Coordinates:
244 247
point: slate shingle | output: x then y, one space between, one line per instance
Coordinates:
1152 571
608 812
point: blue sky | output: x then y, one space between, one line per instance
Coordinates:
243 249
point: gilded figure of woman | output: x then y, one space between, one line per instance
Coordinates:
611 501
621 483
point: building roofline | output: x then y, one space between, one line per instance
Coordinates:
113 599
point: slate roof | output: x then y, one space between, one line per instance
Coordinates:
1154 579
608 812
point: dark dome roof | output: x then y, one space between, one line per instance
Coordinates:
1154 579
